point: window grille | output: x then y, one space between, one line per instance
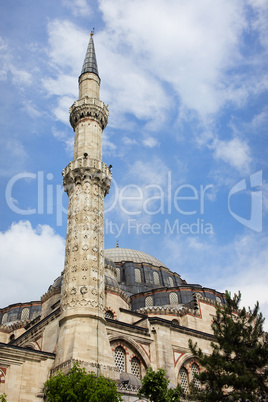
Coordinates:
195 370
184 379
118 274
119 358
109 314
156 278
173 298
137 275
135 367
171 282
149 301
25 314
4 318
2 376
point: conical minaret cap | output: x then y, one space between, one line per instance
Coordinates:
90 62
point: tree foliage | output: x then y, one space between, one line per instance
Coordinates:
155 387
237 368
80 386
3 398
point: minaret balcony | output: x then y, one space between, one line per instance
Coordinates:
89 108
84 169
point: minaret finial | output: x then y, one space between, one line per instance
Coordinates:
90 62
117 245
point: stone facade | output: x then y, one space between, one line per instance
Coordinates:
116 312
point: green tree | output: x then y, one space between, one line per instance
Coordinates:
79 386
237 368
3 398
155 387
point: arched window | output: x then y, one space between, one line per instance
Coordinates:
135 367
137 275
118 274
109 314
156 278
175 322
195 370
25 314
171 282
149 301
184 381
120 359
4 318
173 298
2 376
218 299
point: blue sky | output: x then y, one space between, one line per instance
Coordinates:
186 83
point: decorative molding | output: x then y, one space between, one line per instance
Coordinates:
89 108
119 291
168 310
68 364
86 170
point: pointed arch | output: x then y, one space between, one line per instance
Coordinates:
2 375
133 345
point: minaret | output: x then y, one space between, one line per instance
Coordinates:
86 180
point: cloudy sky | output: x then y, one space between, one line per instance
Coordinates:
186 83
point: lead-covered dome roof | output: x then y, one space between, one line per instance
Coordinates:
127 254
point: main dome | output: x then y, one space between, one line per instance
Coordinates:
126 254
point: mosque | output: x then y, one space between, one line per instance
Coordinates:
115 311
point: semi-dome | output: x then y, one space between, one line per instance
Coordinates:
126 254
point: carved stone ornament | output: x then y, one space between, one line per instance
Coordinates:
89 108
93 172
83 290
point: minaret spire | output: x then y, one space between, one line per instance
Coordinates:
90 62
86 180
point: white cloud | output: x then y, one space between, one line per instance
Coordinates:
63 85
62 110
78 7
235 152
129 141
28 266
260 120
11 150
20 77
189 51
259 22
9 64
190 45
31 109
108 146
238 265
150 142
66 137
145 173
67 47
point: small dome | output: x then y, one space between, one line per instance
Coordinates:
130 380
111 282
127 254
